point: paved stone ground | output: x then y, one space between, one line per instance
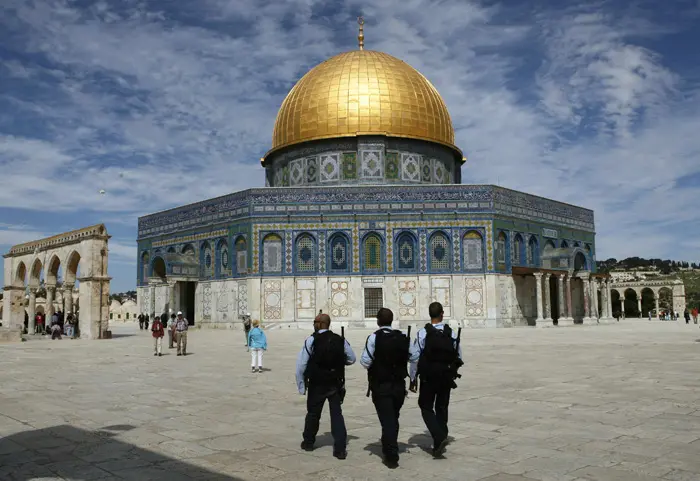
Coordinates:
618 402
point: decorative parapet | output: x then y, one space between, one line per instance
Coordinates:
95 231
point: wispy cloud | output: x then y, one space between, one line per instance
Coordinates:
161 104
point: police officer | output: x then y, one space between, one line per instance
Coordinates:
385 356
321 371
439 356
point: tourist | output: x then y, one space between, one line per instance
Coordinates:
146 320
321 369
181 327
158 332
439 358
141 321
695 315
385 356
171 331
686 315
246 326
257 344
69 326
55 330
38 324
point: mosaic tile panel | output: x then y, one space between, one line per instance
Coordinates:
350 166
296 172
340 297
372 251
311 170
330 167
407 297
439 172
406 252
321 252
391 168
272 253
272 300
455 251
426 170
242 298
285 176
474 296
206 301
339 253
305 255
288 251
472 244
372 164
439 252
423 252
355 248
410 167
389 248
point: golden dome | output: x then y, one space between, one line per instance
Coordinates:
363 92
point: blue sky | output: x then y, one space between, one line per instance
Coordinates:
161 103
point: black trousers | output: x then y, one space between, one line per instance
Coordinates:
433 401
316 398
388 399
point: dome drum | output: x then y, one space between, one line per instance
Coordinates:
362 160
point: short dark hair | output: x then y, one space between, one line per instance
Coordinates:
173 316
385 317
435 309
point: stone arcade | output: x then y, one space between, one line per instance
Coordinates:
82 257
364 207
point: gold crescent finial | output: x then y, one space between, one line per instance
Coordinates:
361 35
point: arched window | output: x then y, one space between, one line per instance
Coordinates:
207 262
188 250
532 251
222 266
405 246
145 263
564 244
501 241
517 250
305 253
339 254
439 252
372 252
272 253
241 256
473 247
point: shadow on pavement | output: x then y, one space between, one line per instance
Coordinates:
326 439
76 454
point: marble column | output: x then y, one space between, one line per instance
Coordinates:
68 297
547 300
564 318
569 307
32 311
594 299
639 305
50 290
604 303
656 305
152 308
609 299
587 319
540 321
171 296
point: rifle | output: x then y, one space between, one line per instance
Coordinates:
458 363
342 391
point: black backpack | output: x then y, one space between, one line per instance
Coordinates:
439 361
326 364
391 353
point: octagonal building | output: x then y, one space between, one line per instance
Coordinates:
364 208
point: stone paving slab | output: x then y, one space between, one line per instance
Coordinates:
614 402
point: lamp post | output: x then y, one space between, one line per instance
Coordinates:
102 268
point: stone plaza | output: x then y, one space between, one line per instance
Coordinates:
608 402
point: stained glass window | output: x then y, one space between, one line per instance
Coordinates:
306 258
272 253
241 256
532 251
406 251
501 248
373 252
472 244
517 250
206 258
439 252
339 253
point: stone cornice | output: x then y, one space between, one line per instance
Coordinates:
67 238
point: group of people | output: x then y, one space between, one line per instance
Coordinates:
177 332
434 357
58 325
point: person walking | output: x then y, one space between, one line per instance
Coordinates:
686 315
321 369
141 321
386 356
439 357
146 320
695 315
158 332
257 344
246 326
181 327
171 331
69 325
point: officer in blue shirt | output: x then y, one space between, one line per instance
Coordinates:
321 373
434 396
385 356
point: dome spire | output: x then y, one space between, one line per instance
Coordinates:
361 35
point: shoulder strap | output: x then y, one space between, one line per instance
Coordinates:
447 330
375 345
306 344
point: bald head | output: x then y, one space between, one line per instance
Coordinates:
322 321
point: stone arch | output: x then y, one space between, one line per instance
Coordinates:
548 246
35 273
241 247
339 253
518 250
564 244
648 297
533 251
21 275
580 262
501 249
616 302
223 262
158 268
206 260
473 251
631 301
665 296
72 267
439 252
372 253
52 270
305 253
272 253
145 266
189 250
